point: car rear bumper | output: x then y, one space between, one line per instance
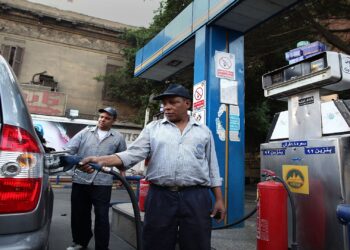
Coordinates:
36 240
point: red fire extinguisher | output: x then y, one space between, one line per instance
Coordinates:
272 216
144 186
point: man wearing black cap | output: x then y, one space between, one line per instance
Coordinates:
93 189
182 169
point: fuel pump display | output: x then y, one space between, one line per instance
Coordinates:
309 145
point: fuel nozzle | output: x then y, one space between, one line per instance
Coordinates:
70 161
53 162
57 162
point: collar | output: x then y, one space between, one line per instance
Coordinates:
95 128
194 121
191 121
92 129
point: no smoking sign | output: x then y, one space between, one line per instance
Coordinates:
225 65
199 95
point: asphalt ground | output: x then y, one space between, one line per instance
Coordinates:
243 238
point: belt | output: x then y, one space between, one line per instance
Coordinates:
177 188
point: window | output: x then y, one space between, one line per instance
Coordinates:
13 55
110 69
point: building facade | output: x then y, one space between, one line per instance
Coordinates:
57 56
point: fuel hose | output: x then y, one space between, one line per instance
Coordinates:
135 206
70 161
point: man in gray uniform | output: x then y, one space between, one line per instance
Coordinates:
182 169
93 189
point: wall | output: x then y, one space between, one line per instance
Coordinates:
74 51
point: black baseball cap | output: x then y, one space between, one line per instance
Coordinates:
174 90
111 111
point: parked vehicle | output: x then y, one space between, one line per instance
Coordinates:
26 197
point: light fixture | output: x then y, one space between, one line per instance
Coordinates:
73 113
174 63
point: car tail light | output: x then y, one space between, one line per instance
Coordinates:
19 194
21 170
17 139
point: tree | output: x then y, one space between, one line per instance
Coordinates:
122 85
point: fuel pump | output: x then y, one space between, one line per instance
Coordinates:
308 145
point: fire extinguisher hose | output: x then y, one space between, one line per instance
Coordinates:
294 244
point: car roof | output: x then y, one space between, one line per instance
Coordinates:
13 107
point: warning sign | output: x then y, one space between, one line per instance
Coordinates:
199 115
199 102
199 95
225 65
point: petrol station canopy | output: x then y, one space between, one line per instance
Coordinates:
172 49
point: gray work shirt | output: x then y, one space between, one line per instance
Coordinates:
87 143
176 159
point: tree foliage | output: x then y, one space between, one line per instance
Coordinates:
122 85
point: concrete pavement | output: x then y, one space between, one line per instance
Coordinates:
227 239
239 238
60 234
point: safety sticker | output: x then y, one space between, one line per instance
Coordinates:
319 150
297 178
199 95
199 102
262 230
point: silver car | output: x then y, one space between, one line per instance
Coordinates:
26 197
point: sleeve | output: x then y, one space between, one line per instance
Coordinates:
138 150
122 144
214 172
73 145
